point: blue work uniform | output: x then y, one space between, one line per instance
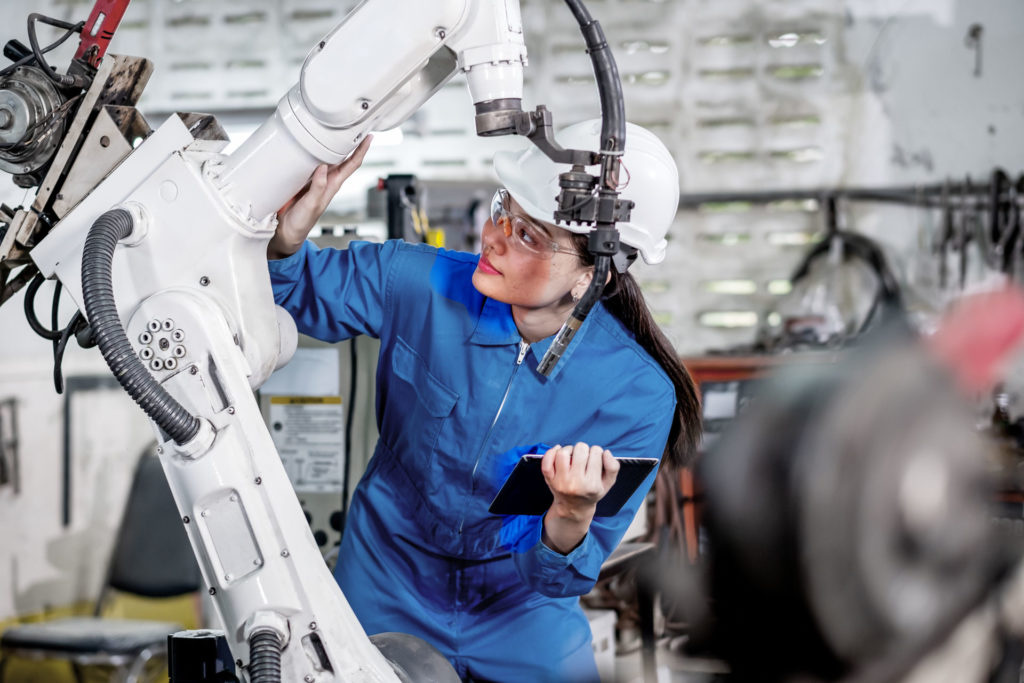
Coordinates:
458 395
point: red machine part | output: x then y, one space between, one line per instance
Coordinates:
99 29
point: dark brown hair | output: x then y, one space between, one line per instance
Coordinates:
623 298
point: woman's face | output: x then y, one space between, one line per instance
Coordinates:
515 276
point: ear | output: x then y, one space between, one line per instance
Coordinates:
584 281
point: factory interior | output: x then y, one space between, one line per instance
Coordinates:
253 429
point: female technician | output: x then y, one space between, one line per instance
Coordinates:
459 398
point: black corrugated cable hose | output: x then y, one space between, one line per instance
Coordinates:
264 657
98 296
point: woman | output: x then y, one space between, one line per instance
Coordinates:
459 399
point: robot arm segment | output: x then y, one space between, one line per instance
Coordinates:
397 55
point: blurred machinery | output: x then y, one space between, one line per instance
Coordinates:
850 522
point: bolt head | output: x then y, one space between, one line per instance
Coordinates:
312 626
186 519
213 591
308 678
284 553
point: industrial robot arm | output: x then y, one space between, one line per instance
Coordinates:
175 290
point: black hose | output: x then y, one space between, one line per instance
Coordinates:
604 238
29 57
264 657
609 86
30 310
602 266
62 80
98 296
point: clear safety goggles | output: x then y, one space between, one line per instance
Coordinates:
522 234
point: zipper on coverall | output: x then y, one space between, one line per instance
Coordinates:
523 348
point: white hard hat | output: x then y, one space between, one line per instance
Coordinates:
649 177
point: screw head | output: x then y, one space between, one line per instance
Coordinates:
231 410
238 663
440 32
284 553
308 678
204 281
159 450
193 370
186 519
213 591
312 626
259 480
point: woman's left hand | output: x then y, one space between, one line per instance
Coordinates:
578 476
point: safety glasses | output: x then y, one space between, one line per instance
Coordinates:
521 233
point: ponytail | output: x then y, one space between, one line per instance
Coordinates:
623 299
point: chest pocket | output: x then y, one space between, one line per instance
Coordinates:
417 406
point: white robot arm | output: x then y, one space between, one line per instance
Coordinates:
174 284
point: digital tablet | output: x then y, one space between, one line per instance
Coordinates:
526 493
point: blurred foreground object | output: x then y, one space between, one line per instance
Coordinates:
849 517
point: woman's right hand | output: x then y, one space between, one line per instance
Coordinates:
296 218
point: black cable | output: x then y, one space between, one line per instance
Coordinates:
62 80
58 351
54 309
30 311
29 58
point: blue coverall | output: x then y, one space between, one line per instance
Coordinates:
458 396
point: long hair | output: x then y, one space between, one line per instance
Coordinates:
623 298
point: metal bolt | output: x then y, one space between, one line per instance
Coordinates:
257 562
104 141
186 519
231 410
228 577
308 678
204 513
322 44
312 626
238 663
259 480
159 450
213 591
233 498
440 32
364 105
204 281
284 553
